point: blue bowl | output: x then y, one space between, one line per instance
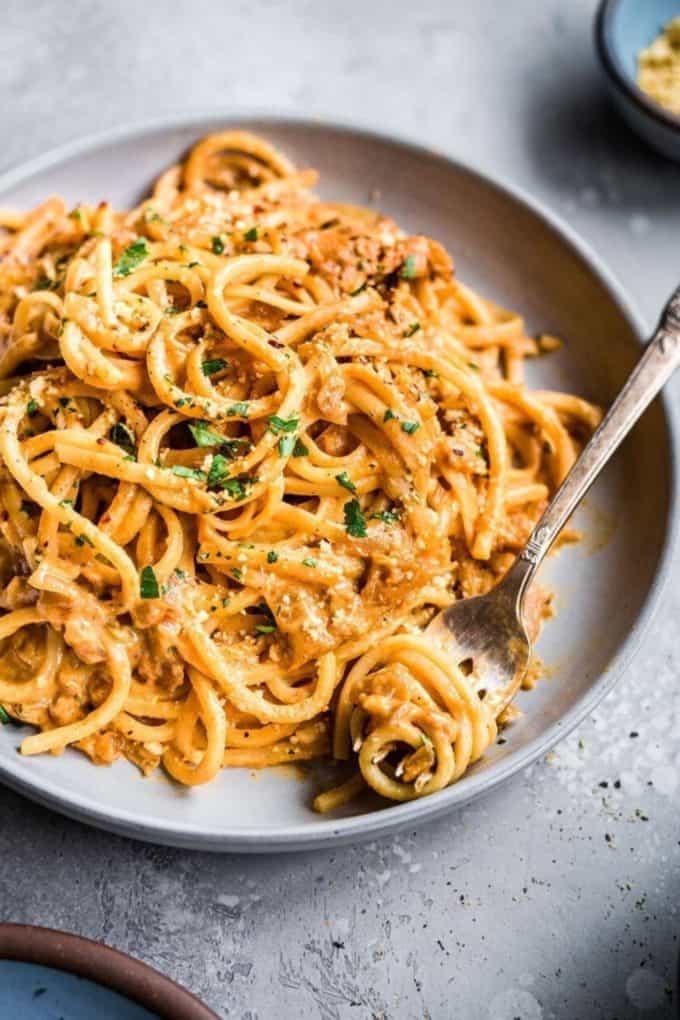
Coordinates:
622 29
46 975
33 992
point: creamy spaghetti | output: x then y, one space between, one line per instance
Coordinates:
251 443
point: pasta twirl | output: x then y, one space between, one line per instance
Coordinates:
251 442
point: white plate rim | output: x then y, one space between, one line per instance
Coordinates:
328 832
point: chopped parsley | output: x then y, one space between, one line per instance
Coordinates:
286 446
219 478
300 450
278 425
83 540
237 574
346 482
122 436
132 257
203 435
214 365
386 516
355 522
236 487
250 235
66 503
430 373
219 470
389 415
4 717
413 328
232 447
471 364
187 472
148 584
217 245
265 628
363 287
32 407
409 427
240 409
308 562
272 556
408 270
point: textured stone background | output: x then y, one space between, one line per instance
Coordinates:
557 896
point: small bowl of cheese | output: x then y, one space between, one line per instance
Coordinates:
638 44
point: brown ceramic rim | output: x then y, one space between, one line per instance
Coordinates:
612 65
99 963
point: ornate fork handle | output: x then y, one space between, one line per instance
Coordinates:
658 362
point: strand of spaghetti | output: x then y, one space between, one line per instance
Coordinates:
215 725
35 487
119 670
227 674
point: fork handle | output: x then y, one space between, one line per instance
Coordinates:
658 362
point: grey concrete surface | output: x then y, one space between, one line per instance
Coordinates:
557 896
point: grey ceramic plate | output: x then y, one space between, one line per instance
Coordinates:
606 588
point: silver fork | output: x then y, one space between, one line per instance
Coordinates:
490 630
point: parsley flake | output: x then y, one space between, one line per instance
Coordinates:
346 482
203 435
308 562
355 522
240 409
413 328
286 446
250 235
386 516
122 436
217 245
272 556
236 487
214 365
219 470
132 257
278 425
148 585
188 472
408 270
409 427
300 450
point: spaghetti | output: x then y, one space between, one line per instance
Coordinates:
251 442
